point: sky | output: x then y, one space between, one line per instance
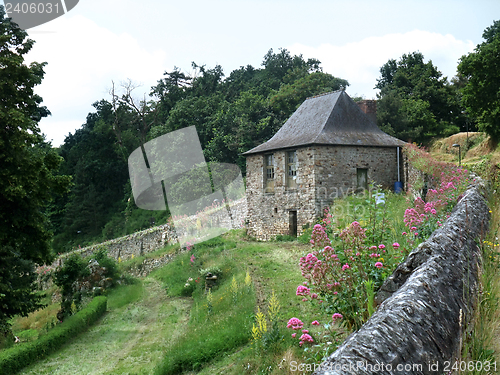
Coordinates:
103 41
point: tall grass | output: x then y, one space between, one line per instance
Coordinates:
214 330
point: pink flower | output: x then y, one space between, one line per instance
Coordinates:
345 267
379 265
335 292
305 331
306 338
381 246
413 228
295 324
395 245
294 334
372 248
302 291
404 233
416 234
337 316
314 296
315 323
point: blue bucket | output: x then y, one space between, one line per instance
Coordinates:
398 187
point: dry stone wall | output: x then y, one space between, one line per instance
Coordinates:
425 305
149 240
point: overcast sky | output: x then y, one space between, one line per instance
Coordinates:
100 41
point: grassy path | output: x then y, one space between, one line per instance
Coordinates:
130 339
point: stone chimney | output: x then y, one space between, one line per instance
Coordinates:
370 108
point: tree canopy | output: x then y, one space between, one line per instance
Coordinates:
481 72
28 176
416 102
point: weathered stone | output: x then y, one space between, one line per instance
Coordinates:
427 302
324 173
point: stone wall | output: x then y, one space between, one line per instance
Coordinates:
426 305
268 213
324 173
149 240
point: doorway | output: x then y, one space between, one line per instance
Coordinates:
292 219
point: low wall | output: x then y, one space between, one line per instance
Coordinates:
149 240
425 305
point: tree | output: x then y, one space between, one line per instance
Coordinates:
416 102
481 93
28 176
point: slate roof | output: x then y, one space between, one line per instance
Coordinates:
328 119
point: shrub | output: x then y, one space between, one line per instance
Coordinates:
17 357
74 268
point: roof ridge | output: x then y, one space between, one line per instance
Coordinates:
326 93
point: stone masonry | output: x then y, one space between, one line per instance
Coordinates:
324 173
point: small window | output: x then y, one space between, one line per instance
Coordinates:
291 167
269 173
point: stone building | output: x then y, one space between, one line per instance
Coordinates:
328 148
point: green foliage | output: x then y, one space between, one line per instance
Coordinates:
73 269
285 238
481 72
111 266
175 276
28 175
17 357
221 329
415 102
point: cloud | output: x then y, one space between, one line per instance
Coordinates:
82 65
361 61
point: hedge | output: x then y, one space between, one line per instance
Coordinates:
15 358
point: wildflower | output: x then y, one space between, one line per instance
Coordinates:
372 248
337 316
306 338
413 228
404 233
294 334
302 291
315 323
314 296
416 234
395 245
295 324
379 265
345 267
305 331
381 246
335 292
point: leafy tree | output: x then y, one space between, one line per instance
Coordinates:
481 93
28 176
290 96
416 101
